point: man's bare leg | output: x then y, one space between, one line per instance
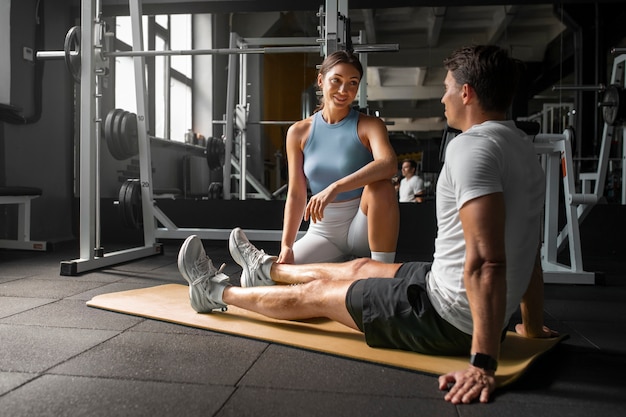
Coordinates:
322 292
317 298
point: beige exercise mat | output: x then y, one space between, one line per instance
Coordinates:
170 303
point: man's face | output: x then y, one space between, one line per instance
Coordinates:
452 100
407 169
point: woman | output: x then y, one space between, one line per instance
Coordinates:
347 160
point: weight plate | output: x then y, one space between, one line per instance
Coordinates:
111 142
71 48
215 151
121 209
614 105
115 130
122 138
130 207
129 133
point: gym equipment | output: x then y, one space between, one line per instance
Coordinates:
94 66
170 303
21 196
129 204
71 53
120 134
614 105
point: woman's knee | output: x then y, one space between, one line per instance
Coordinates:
380 193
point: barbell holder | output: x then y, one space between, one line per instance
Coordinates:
599 88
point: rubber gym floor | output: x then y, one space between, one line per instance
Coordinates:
59 357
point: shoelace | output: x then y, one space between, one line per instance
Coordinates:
205 269
253 254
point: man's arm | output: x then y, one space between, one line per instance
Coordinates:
485 281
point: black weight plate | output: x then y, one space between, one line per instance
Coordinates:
112 145
115 130
611 105
123 139
214 153
129 133
131 205
136 213
121 201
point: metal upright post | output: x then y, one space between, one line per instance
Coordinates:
89 164
243 125
145 159
88 154
231 87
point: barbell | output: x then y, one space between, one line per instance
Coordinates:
613 102
72 46
70 53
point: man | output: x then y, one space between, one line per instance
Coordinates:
411 186
489 203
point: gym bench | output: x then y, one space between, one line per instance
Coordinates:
21 196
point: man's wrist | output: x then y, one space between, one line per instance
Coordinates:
483 361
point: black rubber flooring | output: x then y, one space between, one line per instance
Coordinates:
59 357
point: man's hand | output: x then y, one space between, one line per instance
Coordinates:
469 385
544 333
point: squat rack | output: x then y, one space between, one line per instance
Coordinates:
94 65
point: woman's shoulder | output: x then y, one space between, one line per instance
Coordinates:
301 125
299 131
368 120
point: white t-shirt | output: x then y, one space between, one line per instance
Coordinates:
409 187
487 158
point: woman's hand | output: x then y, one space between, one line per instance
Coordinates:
314 209
286 255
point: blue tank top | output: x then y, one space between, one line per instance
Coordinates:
334 151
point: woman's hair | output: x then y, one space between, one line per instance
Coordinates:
489 70
338 57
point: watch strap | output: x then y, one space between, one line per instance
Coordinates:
486 362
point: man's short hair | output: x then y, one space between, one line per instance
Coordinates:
490 71
411 162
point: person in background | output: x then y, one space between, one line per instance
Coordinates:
347 160
411 187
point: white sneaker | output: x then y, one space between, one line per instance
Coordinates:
250 259
206 283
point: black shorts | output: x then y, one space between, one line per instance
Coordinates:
397 313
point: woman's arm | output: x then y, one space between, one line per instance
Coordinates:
297 189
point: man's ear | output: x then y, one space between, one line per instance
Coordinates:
467 93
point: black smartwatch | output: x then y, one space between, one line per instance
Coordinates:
482 361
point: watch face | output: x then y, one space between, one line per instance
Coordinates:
483 361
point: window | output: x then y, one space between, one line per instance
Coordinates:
168 78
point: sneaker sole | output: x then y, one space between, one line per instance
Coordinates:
181 265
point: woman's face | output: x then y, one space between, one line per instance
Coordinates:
339 85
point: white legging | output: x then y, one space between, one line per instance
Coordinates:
340 234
